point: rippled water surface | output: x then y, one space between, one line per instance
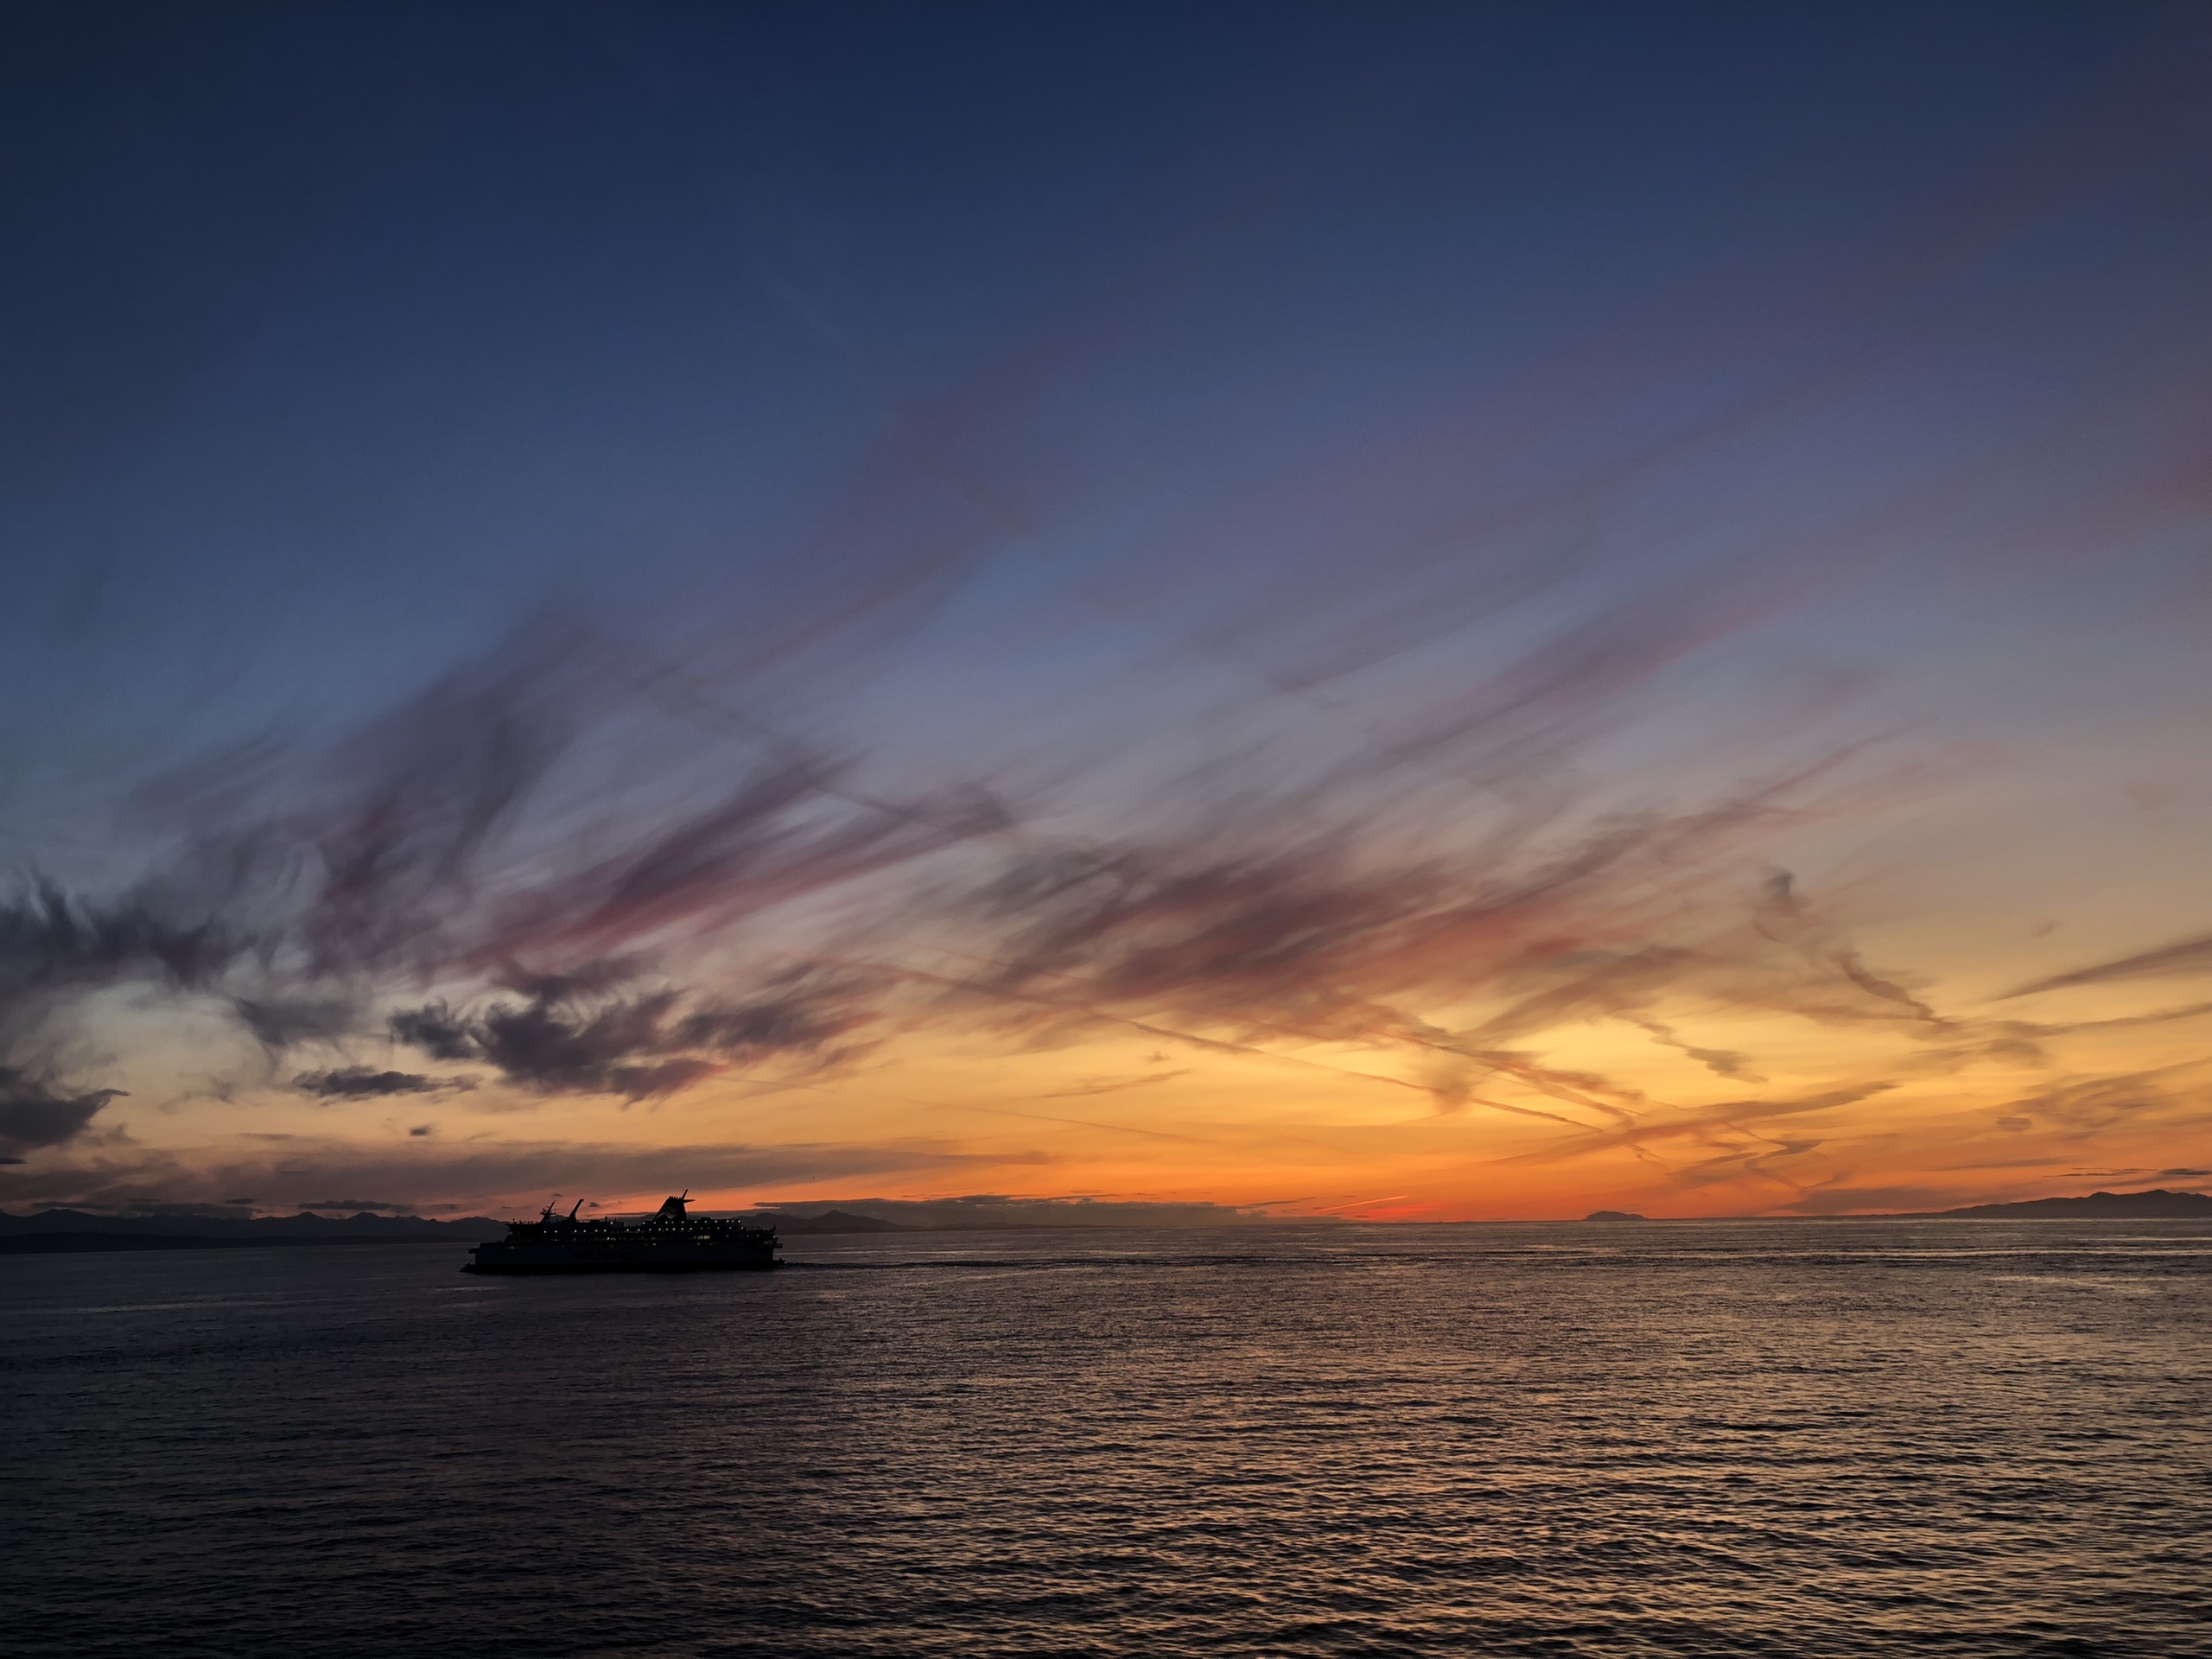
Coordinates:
1746 1438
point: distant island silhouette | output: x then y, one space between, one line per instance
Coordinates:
1614 1215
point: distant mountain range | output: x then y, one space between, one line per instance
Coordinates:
362 1225
2157 1204
831 1221
2154 1206
71 1230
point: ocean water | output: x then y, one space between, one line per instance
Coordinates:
1743 1438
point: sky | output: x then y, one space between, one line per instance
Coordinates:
1406 611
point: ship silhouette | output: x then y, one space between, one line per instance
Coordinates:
671 1241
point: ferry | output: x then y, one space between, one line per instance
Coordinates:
671 1241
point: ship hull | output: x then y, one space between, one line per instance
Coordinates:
512 1259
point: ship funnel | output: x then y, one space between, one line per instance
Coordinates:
674 1207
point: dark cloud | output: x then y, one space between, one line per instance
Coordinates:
591 1033
55 948
277 1024
437 1031
363 1083
52 941
782 835
406 848
355 1206
299 889
34 1115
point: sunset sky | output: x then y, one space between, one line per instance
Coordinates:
1397 610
